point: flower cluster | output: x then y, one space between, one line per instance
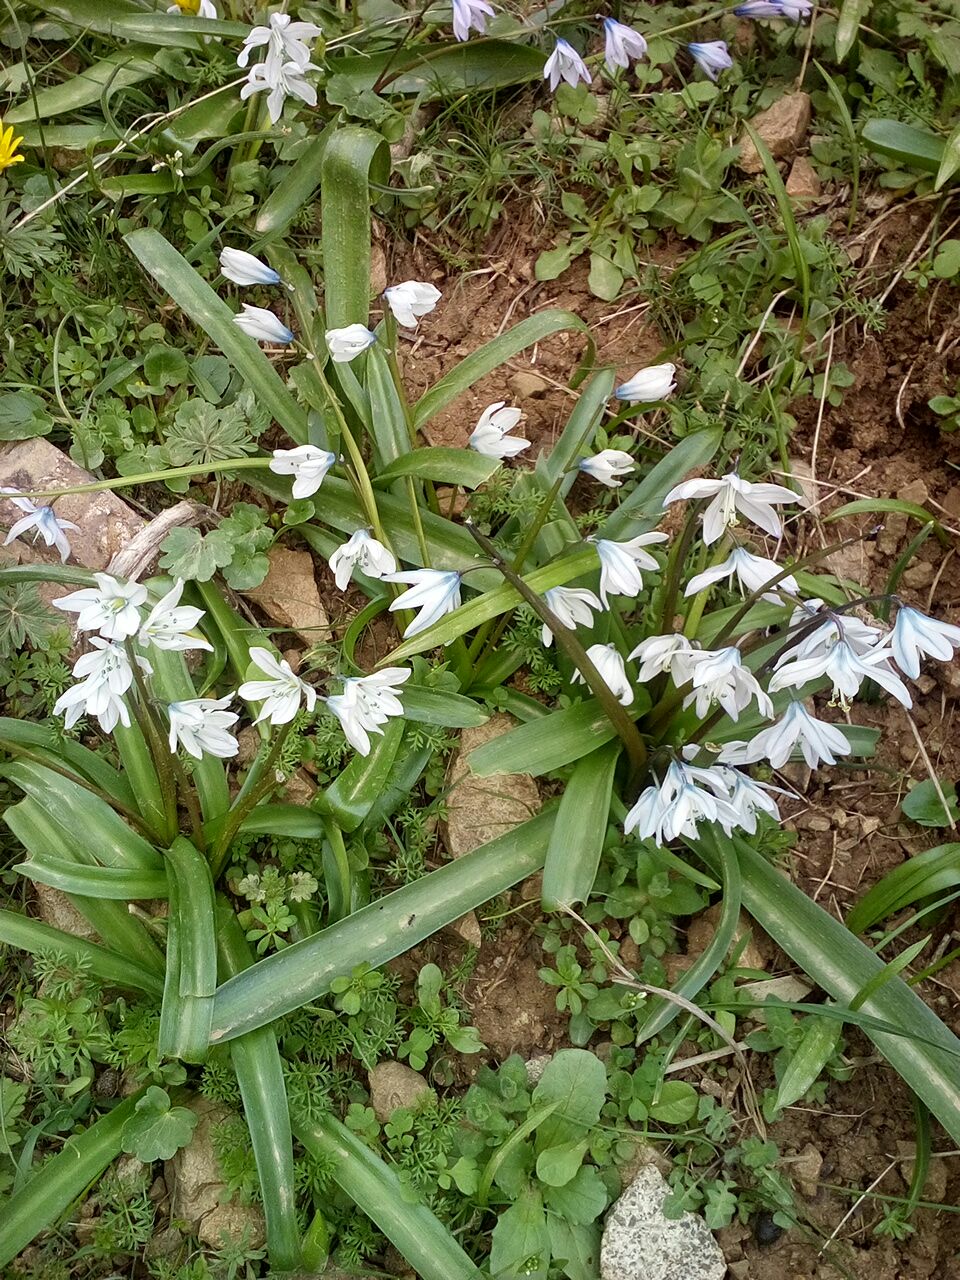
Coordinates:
284 69
126 631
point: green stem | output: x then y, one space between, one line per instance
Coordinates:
261 463
256 784
339 883
159 748
566 640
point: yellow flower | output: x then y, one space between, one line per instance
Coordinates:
190 7
8 147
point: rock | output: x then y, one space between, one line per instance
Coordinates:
916 491
527 385
643 1154
920 574
197 1189
805 1168
782 127
639 1243
56 909
935 1184
106 523
536 1066
803 181
480 809
467 929
392 1085
704 926
787 988
288 595
233 1224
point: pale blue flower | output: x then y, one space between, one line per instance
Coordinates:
647 385
565 64
470 15
789 10
346 344
433 591
818 741
263 325
621 44
914 634
711 57
245 269
44 522
607 465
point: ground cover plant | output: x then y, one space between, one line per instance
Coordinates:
651 607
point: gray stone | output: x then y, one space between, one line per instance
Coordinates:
527 385
393 1085
639 1243
536 1066
480 809
288 595
197 1189
781 127
56 909
803 181
233 1224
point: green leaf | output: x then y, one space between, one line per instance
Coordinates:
294 190
922 876
353 159
605 279
520 1244
444 70
374 934
195 556
577 1245
436 706
908 145
643 508
118 883
807 1061
110 967
581 1200
120 70
676 1104
852 12
924 806
553 262
157 1131
351 797
205 308
547 744
573 855
373 1186
451 466
23 415
556 1166
577 1080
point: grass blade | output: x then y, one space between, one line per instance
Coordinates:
373 1186
921 876
378 932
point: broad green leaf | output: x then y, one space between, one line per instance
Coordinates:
426 1244
915 148
493 354
157 1131
556 1166
578 1244
353 158
259 1071
852 12
451 466
547 744
577 434
841 964
676 1103
122 883
386 928
119 71
951 160
921 876
198 933
923 804
436 706
350 798
205 308
643 507
880 506
807 1061
444 70
18 735
291 820
187 1007
112 969
294 189
62 1180
383 414
581 1200
520 1244
573 855
577 1080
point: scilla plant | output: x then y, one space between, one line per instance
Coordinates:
684 659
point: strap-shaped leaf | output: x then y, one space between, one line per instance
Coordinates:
353 158
576 844
114 883
34 936
450 466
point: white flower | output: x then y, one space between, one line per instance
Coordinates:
731 495
565 64
111 607
307 464
200 725
489 436
284 80
790 10
169 623
43 521
621 562
818 740
752 572
104 676
914 634
606 465
346 344
859 635
675 807
367 702
280 693
711 57
846 668
285 41
243 268
262 325
363 552
673 653
572 606
434 592
607 660
470 14
411 300
746 797
621 43
654 383
719 676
